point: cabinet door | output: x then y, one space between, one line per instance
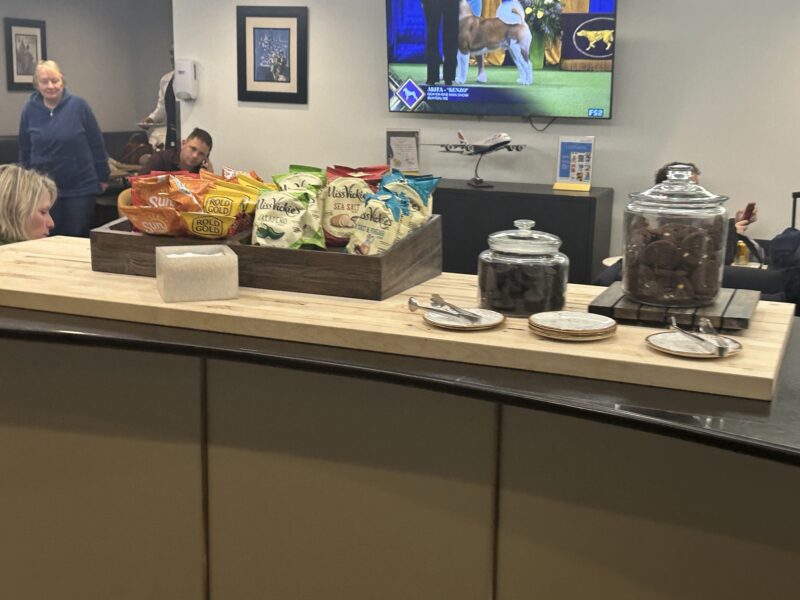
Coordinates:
468 217
591 510
100 474
324 486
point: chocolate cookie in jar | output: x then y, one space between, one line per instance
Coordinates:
522 272
674 250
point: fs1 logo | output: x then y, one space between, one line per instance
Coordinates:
596 113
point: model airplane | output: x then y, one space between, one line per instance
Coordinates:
492 143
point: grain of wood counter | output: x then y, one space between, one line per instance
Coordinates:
54 275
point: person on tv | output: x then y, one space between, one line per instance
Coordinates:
510 12
441 15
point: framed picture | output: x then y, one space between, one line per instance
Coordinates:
272 53
402 149
25 46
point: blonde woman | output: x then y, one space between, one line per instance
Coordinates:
59 136
26 198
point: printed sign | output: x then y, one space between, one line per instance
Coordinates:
574 163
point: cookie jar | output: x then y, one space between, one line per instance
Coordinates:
522 272
674 248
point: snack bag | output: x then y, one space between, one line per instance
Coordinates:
313 180
252 180
342 201
161 220
210 226
248 194
417 188
377 226
194 184
143 187
225 201
279 219
301 176
163 190
372 174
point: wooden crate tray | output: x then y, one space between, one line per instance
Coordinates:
115 248
732 311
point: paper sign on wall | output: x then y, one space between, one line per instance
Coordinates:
402 150
574 163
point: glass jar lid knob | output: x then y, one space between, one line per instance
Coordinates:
524 225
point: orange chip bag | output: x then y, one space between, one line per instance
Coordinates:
155 220
194 184
143 187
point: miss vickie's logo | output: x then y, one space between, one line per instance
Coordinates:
376 215
289 207
353 191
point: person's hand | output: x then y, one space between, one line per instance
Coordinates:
103 186
741 226
740 217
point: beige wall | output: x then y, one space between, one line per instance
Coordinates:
113 54
694 81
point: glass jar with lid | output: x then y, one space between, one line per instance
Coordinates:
675 235
522 272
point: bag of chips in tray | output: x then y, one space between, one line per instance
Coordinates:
417 188
372 174
301 176
313 180
211 226
378 225
163 190
279 219
156 220
343 198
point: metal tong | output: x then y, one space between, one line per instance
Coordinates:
438 301
413 305
714 344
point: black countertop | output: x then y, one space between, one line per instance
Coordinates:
767 429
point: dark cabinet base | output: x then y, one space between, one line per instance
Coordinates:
581 219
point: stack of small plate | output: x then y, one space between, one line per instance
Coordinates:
572 326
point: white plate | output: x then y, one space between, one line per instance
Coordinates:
488 319
673 342
565 337
566 321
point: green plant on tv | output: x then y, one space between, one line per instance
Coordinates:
544 18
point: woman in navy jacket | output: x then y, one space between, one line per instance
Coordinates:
59 136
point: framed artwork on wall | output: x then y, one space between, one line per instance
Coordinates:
272 53
26 45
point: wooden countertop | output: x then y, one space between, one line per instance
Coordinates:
55 275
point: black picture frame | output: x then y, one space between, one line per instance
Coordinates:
26 45
272 53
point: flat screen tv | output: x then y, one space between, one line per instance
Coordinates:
526 58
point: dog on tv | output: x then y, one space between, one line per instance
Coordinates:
478 36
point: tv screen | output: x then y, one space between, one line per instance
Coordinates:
528 58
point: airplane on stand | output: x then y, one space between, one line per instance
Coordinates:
493 143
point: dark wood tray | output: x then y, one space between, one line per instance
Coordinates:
115 248
732 310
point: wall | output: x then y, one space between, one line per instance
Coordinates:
695 81
112 52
